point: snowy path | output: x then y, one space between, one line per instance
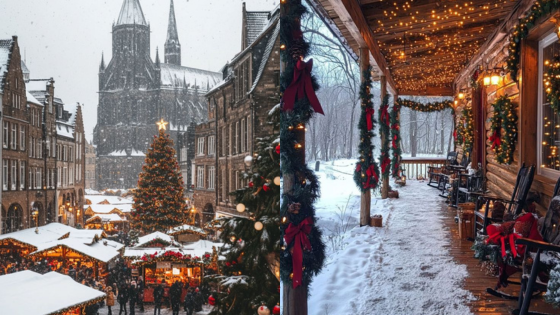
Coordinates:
402 268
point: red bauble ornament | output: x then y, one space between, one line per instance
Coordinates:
278 149
212 301
251 184
275 310
266 187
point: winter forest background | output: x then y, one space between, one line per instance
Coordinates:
335 135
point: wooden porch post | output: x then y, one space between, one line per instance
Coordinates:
385 179
365 203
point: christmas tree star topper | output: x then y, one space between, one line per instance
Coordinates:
161 124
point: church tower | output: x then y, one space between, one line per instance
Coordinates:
172 45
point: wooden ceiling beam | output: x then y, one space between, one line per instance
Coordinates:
351 15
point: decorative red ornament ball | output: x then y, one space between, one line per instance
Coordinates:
212 301
275 310
266 187
251 184
278 149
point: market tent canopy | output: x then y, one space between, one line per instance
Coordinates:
30 293
46 233
155 237
100 250
105 218
186 229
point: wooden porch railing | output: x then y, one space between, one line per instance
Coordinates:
414 166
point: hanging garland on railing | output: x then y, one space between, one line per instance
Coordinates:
366 175
504 129
384 122
396 138
552 83
428 107
521 30
303 250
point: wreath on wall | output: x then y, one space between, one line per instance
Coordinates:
552 84
504 129
521 30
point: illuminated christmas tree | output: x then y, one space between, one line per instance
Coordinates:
158 201
252 266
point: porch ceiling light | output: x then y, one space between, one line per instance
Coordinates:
461 95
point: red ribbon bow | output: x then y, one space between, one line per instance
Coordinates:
496 139
369 116
385 115
301 86
394 141
298 234
385 164
371 173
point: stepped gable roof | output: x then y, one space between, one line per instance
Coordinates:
6 46
131 13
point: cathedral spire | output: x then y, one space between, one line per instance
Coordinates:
131 14
102 65
157 57
172 45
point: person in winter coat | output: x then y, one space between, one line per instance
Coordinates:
72 272
132 295
198 300
122 297
158 296
189 302
110 299
175 296
92 309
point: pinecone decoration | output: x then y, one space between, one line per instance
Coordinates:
296 50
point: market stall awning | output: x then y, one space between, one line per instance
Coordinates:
46 233
105 218
100 250
156 237
29 293
186 229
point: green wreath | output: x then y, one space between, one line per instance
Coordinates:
552 84
504 129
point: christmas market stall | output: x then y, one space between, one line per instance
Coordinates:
87 248
28 292
112 218
23 242
110 223
187 233
167 264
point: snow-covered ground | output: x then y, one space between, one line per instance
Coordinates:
402 268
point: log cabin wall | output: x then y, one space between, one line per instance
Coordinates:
501 178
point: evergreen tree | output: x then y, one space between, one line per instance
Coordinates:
158 201
253 243
553 290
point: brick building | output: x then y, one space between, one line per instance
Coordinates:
90 165
237 114
135 92
40 139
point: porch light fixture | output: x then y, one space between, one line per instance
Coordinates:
495 78
461 95
486 80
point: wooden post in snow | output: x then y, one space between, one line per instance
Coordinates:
385 179
365 203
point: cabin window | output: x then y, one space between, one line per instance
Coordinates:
549 122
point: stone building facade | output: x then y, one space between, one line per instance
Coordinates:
135 92
35 124
238 110
90 165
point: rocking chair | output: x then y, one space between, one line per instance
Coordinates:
514 206
435 173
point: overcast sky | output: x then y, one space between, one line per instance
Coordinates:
63 39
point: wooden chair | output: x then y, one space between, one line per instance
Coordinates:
435 172
513 206
551 244
466 186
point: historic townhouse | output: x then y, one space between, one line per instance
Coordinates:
237 115
90 165
32 130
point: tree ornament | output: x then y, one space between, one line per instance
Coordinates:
251 184
276 309
263 310
211 300
278 149
240 207
258 226
266 187
277 180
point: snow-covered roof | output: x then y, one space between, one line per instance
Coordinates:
197 249
102 250
65 130
131 13
36 85
172 76
92 192
47 233
5 50
153 236
29 293
106 209
133 152
266 55
185 229
256 23
32 99
114 200
111 217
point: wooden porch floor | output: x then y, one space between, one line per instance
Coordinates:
477 282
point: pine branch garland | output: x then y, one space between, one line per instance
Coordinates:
384 131
396 141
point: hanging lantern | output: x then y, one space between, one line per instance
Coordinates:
240 207
486 80
277 180
258 226
495 78
461 95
